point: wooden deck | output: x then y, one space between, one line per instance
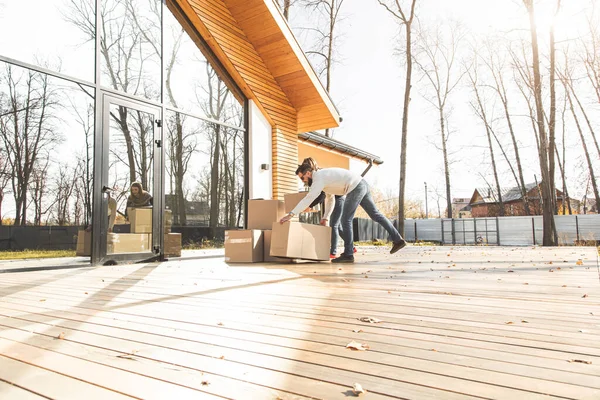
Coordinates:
457 323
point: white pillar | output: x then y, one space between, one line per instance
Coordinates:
260 147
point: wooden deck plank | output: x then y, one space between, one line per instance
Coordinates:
288 324
46 382
10 391
390 354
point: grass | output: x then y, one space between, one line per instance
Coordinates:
204 244
23 254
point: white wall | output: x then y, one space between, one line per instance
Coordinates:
260 153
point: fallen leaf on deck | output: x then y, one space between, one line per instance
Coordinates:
508 323
580 361
369 320
525 322
433 350
510 270
61 335
579 262
222 357
357 346
43 300
564 285
366 276
584 296
205 383
357 389
357 330
220 324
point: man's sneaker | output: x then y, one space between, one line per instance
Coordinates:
332 256
398 245
343 259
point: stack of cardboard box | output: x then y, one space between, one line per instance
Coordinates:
138 240
269 241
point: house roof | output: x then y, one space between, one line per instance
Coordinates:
324 141
490 195
258 49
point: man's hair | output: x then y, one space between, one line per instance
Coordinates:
303 168
308 164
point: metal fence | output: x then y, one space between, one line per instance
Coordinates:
502 231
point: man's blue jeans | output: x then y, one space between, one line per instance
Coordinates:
361 195
334 222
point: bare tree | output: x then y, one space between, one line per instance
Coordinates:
496 67
126 44
550 237
285 6
326 37
437 61
65 184
26 129
480 110
590 165
405 20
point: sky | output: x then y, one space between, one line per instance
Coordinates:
368 88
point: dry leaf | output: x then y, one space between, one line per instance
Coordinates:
357 330
220 324
525 322
433 350
508 323
43 300
580 361
357 389
61 335
579 262
369 320
205 383
564 285
357 346
222 357
584 296
510 270
366 276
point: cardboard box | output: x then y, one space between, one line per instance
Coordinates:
84 244
244 246
292 199
298 240
267 249
128 243
173 244
167 220
262 213
140 219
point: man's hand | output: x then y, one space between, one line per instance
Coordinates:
324 222
286 218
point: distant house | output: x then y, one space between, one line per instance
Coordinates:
197 213
485 201
460 207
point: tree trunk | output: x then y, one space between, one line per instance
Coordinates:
214 179
549 235
585 149
404 139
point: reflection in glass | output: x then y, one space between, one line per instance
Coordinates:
130 174
205 172
130 46
191 84
49 182
45 33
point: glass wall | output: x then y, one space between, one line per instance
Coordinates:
46 149
49 80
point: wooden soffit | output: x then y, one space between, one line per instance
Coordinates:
258 49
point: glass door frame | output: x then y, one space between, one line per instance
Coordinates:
101 165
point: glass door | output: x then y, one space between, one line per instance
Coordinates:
130 188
